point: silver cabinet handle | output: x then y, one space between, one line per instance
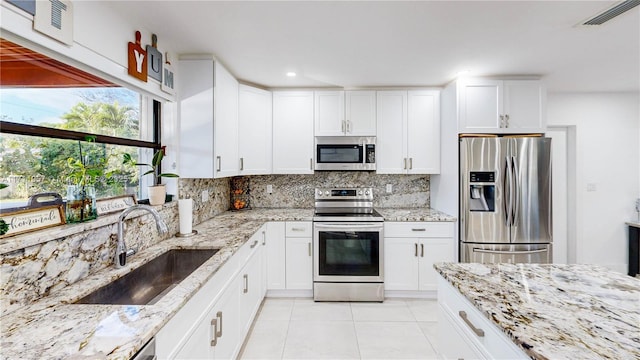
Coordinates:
297 229
348 126
254 244
219 317
241 163
410 163
214 324
418 229
463 315
421 250
416 244
311 164
309 246
219 159
405 163
501 121
506 118
246 284
344 126
264 238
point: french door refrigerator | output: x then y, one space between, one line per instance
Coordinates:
505 200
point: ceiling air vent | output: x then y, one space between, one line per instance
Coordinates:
612 12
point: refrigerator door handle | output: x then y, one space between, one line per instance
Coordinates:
507 201
510 252
515 192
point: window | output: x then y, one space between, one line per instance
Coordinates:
53 115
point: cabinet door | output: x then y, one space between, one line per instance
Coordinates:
195 89
254 130
401 263
433 250
480 105
423 132
226 315
198 346
275 256
293 132
452 343
524 106
299 262
360 113
329 113
225 104
391 151
250 290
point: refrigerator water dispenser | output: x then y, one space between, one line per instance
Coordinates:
482 192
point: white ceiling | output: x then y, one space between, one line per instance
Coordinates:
418 43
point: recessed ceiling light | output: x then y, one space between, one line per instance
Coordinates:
291 74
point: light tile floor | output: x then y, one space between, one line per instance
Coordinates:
304 329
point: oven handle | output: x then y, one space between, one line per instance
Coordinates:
348 226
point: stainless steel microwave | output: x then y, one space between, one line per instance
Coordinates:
345 153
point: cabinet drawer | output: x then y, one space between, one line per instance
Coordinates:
298 229
494 343
418 229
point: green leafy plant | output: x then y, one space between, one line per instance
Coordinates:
155 166
85 174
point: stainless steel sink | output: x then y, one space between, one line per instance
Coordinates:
148 283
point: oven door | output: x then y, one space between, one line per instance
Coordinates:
348 252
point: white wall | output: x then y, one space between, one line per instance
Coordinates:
100 38
607 160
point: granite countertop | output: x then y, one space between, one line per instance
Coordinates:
633 223
556 311
56 328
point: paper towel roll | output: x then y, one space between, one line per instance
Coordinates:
185 213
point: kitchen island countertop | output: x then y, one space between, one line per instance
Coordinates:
555 311
55 328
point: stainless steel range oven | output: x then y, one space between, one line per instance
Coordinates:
348 246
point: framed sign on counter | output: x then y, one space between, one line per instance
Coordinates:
18 222
114 204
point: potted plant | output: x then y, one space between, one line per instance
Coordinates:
157 191
81 193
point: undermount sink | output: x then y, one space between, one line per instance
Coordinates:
148 283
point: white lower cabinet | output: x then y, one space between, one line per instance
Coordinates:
215 321
275 256
299 255
411 249
466 333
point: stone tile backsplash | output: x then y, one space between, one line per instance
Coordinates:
296 191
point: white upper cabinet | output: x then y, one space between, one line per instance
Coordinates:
345 113
208 120
293 132
225 105
501 106
254 130
408 140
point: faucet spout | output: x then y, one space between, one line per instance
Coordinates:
121 247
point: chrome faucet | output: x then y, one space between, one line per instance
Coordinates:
121 249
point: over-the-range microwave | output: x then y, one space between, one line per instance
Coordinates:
345 153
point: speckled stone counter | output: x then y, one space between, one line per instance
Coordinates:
414 214
556 311
55 328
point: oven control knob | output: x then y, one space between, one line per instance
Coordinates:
366 192
319 192
326 192
360 192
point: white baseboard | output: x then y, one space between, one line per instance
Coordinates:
289 294
433 294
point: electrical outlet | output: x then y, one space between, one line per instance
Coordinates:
638 205
592 187
389 188
269 189
205 195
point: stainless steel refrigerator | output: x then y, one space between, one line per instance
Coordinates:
505 200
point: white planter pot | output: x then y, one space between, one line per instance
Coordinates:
157 194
